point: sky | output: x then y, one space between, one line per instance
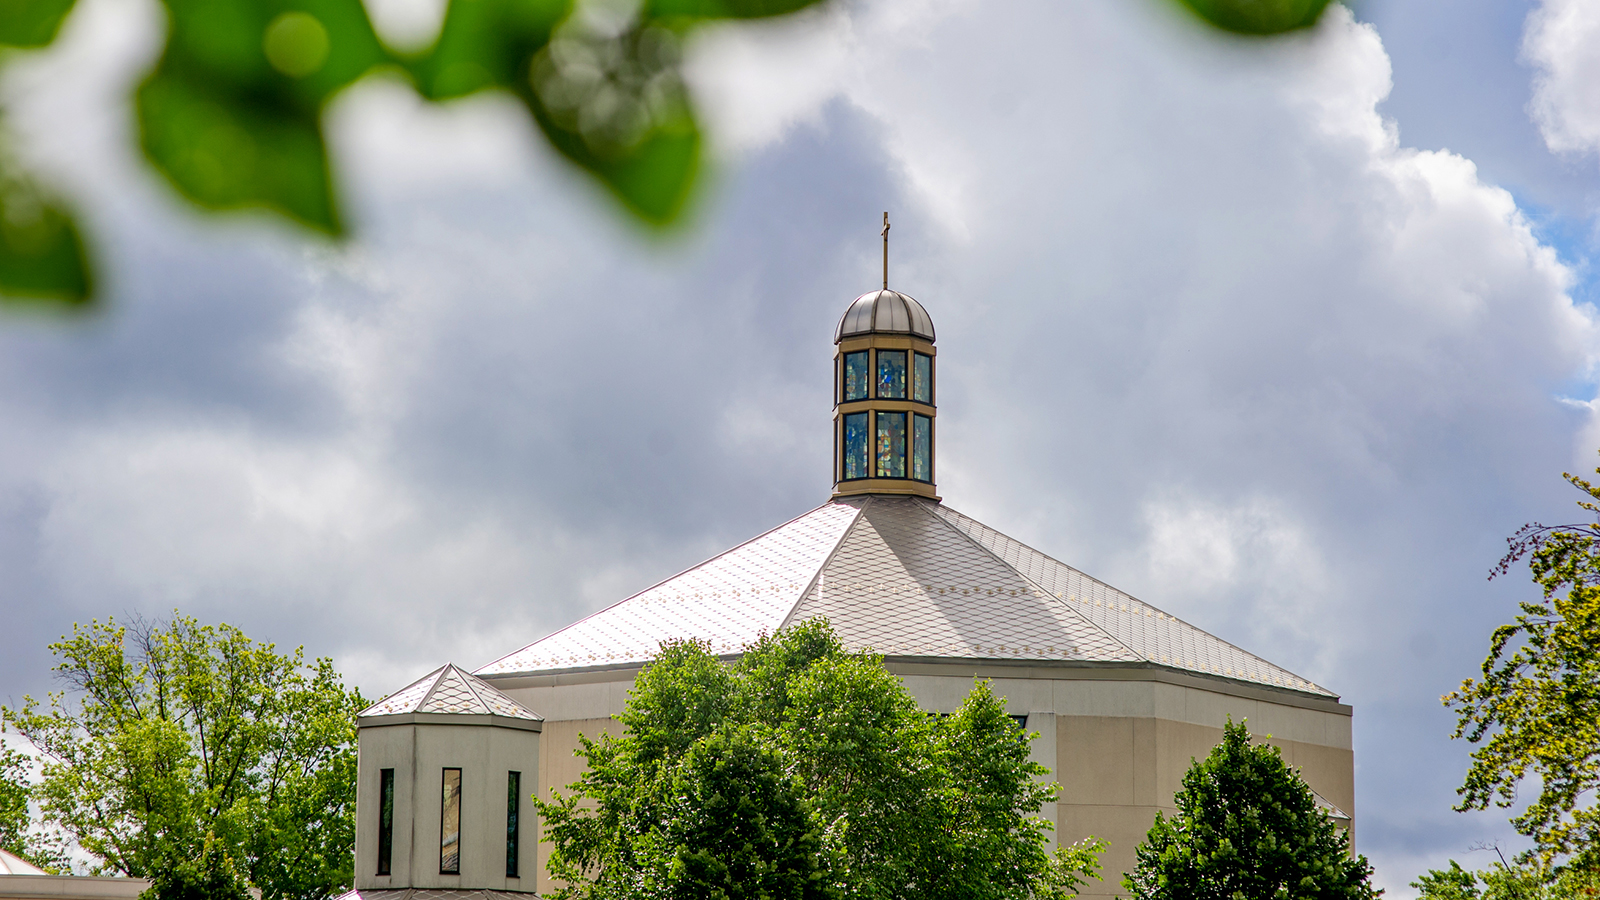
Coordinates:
1282 336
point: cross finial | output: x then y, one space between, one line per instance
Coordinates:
886 251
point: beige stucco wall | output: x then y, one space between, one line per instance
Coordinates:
1118 740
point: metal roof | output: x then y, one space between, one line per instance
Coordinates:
11 864
904 577
448 690
884 312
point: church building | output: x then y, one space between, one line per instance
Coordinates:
1121 695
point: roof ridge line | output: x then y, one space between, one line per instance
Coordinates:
438 674
815 576
652 587
1025 577
1111 587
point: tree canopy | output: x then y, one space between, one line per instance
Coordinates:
1246 827
1506 880
183 752
804 771
231 113
1535 709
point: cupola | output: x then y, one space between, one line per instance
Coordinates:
883 397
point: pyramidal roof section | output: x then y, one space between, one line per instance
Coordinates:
904 577
448 690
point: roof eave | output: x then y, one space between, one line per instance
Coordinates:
422 718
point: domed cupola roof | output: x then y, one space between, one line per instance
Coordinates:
884 312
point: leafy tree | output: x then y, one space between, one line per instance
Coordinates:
803 771
182 751
231 114
1454 883
1507 881
42 848
213 875
1536 708
13 801
1247 828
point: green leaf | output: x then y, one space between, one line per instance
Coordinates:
42 256
32 23
615 104
487 43
232 113
1258 16
618 107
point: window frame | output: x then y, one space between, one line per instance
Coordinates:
916 356
877 434
385 822
911 449
905 373
444 811
844 375
513 824
844 445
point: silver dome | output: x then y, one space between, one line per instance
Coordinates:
884 312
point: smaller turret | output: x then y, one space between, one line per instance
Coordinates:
446 770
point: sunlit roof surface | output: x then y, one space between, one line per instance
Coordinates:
904 577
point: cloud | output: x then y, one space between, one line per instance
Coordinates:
1562 40
1209 330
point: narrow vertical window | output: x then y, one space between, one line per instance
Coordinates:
921 448
513 829
891 445
891 374
857 447
922 378
857 376
450 825
385 820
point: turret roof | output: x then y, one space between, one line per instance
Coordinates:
448 690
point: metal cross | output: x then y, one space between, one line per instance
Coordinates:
886 251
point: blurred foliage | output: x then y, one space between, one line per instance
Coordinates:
232 113
1535 710
192 755
1260 17
804 772
1246 826
42 257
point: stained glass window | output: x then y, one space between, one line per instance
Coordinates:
856 447
892 443
922 378
450 824
513 825
921 448
385 820
891 374
856 376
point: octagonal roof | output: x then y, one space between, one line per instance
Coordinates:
905 577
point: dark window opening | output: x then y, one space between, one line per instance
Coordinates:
513 829
385 820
